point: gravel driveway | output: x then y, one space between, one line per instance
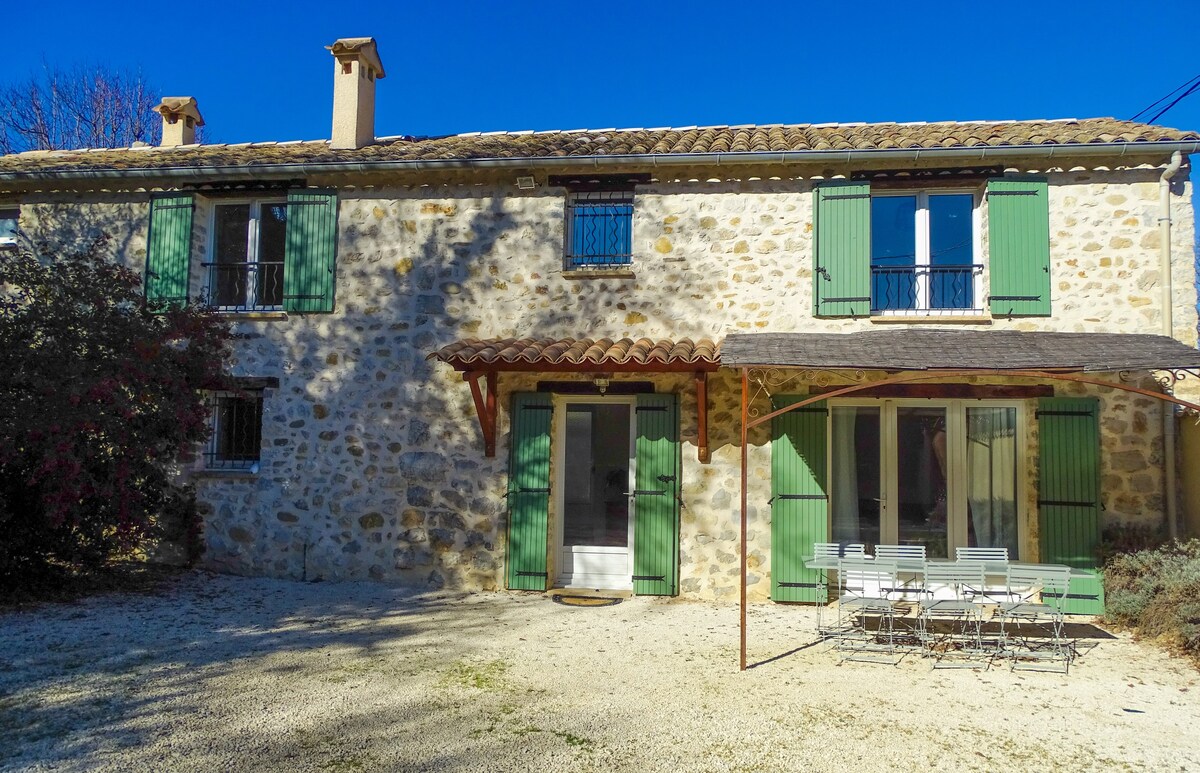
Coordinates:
227 673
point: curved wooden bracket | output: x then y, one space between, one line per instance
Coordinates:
485 407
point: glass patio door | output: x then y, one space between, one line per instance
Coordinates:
941 474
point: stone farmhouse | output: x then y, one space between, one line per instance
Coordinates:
526 359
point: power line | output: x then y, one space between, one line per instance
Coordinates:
1188 87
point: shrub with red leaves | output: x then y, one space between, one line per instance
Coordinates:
99 397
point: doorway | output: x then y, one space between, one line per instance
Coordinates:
594 491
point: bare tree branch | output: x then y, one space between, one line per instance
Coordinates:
79 107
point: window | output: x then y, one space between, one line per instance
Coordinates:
923 254
236 440
245 270
886 252
8 225
276 254
599 229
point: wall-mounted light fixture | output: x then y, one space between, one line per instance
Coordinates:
601 383
526 183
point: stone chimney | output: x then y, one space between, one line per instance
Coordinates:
180 117
356 70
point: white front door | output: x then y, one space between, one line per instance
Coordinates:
595 477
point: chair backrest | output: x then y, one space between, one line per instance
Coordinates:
900 551
1052 582
838 549
866 577
963 580
981 554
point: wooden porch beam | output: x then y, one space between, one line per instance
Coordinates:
485 407
702 451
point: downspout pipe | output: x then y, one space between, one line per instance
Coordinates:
1169 428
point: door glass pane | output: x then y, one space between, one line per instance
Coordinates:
992 478
596 476
893 252
272 236
228 275
921 478
951 251
855 486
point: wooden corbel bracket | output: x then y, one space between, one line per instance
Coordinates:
485 407
702 451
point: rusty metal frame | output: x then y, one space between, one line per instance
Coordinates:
1166 379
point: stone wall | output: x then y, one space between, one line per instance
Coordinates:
372 462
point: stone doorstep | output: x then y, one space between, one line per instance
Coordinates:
589 593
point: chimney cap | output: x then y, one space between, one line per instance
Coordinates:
180 106
358 48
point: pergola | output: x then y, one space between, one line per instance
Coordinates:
909 357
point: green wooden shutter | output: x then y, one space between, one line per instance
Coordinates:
169 250
842 274
799 499
529 491
1019 247
309 257
1069 493
656 497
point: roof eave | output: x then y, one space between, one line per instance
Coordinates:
274 171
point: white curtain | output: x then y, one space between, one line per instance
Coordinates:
992 477
845 476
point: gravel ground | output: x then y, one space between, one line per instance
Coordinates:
227 673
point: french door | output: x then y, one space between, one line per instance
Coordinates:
942 474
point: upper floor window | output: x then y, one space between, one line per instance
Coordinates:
599 229
923 253
894 252
8 225
245 270
268 254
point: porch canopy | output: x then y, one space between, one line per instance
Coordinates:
909 357
958 350
484 358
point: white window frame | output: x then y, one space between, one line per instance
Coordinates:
956 464
252 257
922 252
9 238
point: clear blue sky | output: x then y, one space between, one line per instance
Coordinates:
260 72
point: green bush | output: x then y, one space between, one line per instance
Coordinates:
1157 593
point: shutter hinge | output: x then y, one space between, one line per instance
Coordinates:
1064 413
649 577
1065 503
800 584
827 197
189 205
652 408
1016 297
647 493
1011 193
849 299
531 574
537 407
306 203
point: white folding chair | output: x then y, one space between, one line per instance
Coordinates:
833 550
959 615
1044 615
981 554
985 556
900 552
866 613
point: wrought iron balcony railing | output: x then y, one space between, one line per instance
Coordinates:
245 286
925 288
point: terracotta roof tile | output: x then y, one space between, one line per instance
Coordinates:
579 354
610 142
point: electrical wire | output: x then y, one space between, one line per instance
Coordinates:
1189 87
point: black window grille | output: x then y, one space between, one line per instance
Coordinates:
245 272
924 288
599 231
236 440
